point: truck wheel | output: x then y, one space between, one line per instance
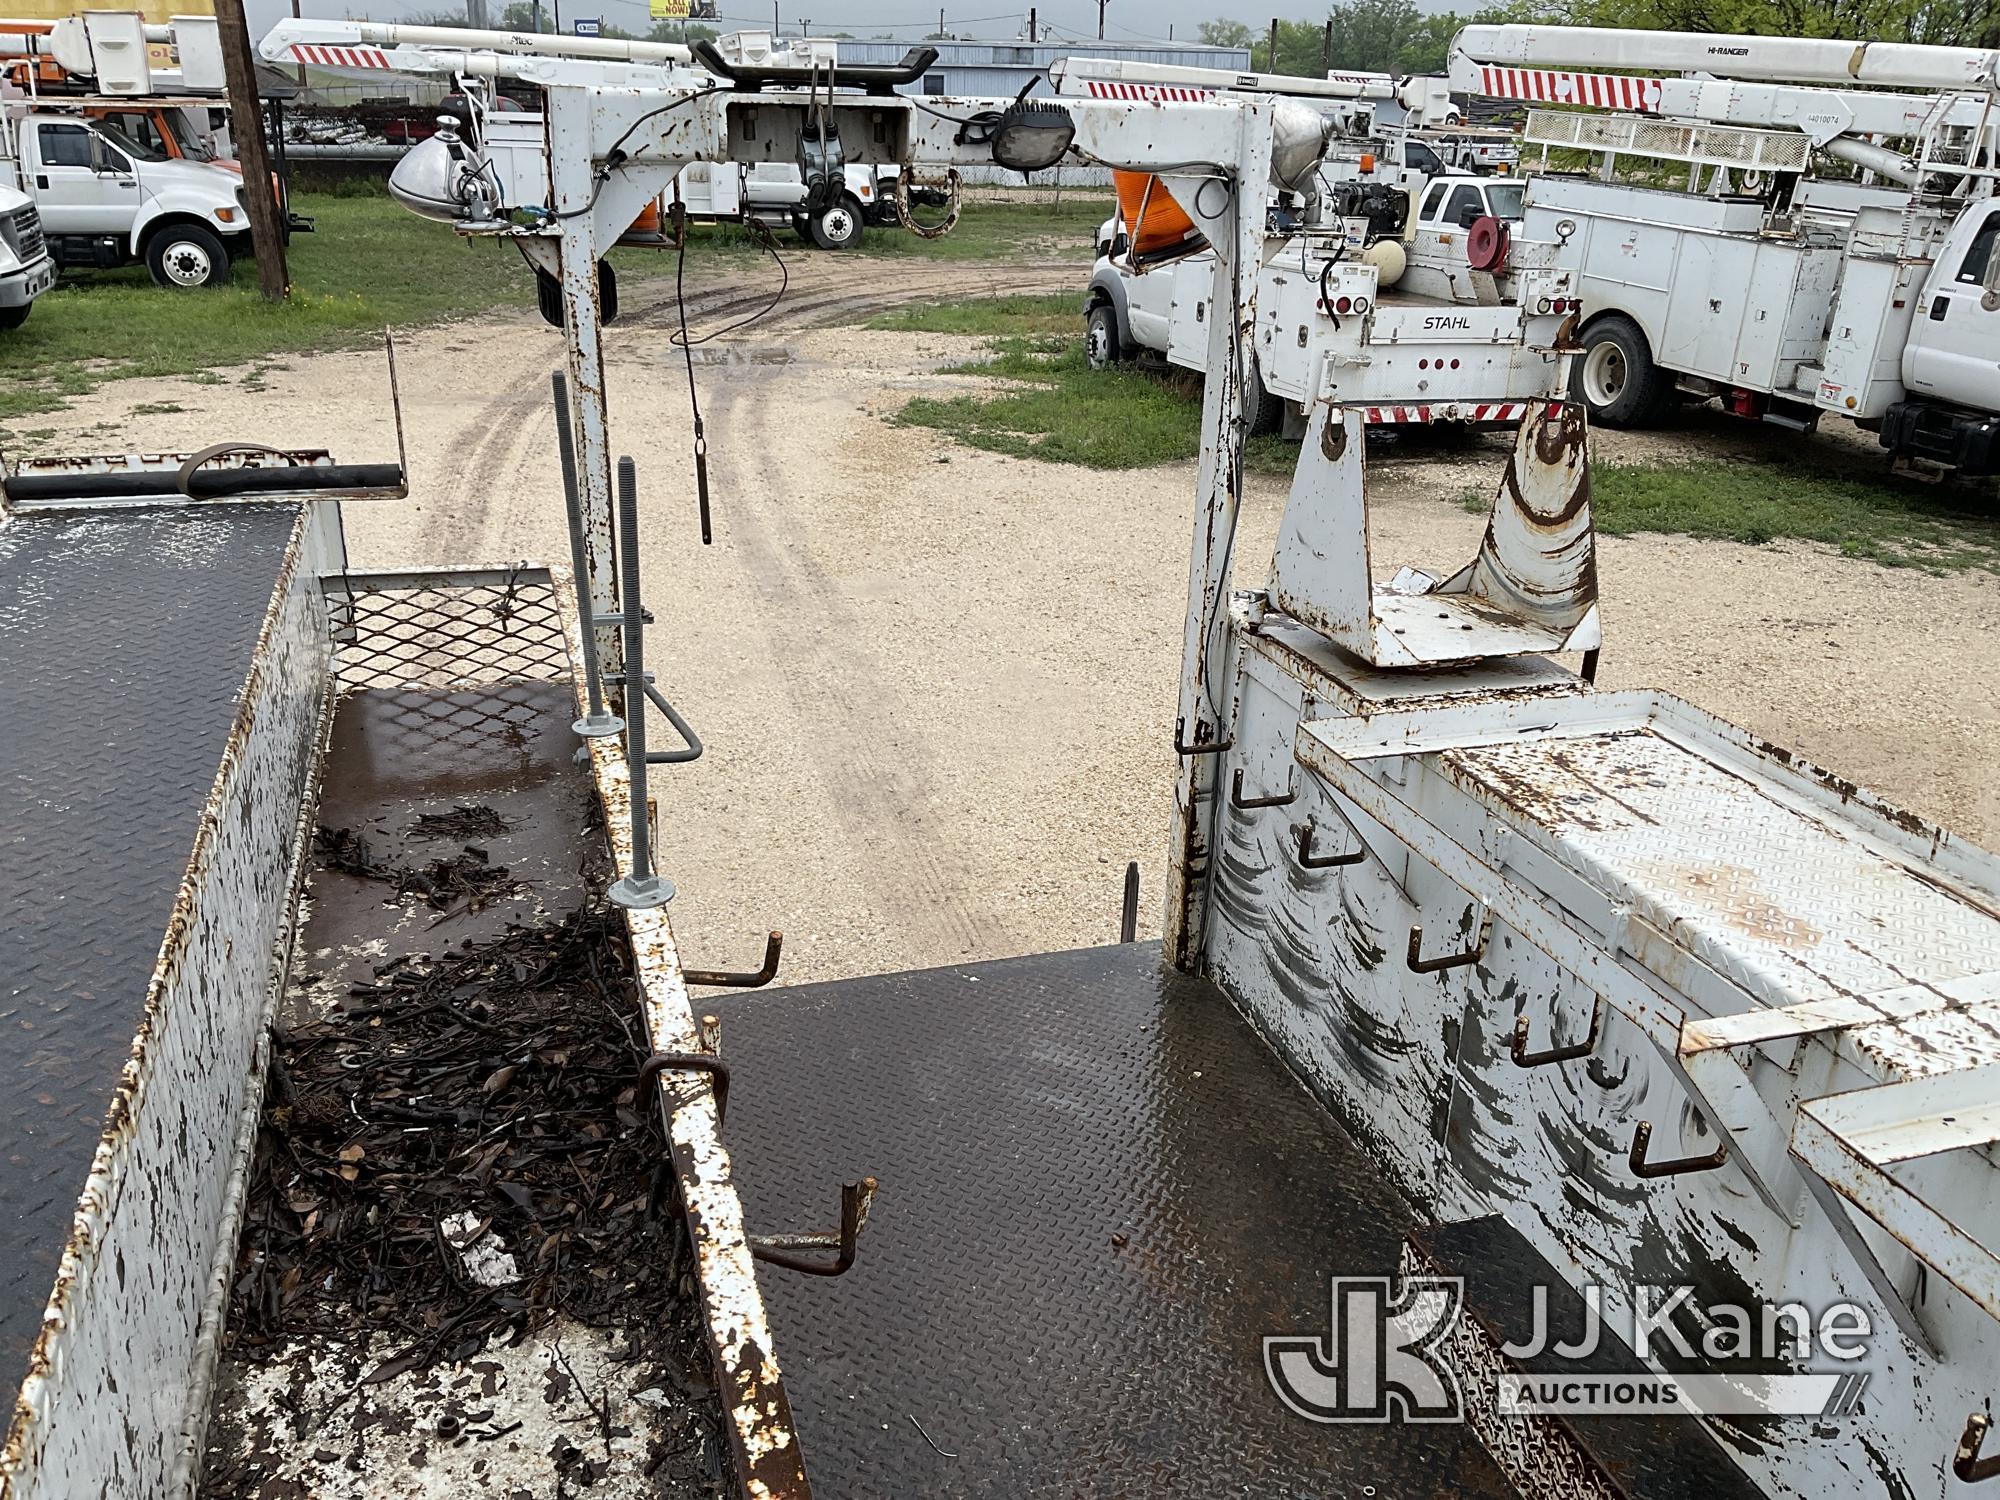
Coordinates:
1264 412
1102 347
838 226
186 255
14 317
1616 378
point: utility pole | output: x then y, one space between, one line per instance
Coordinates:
1271 57
1100 18
940 21
1326 49
1031 26
246 132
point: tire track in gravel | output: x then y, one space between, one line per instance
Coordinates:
494 449
868 751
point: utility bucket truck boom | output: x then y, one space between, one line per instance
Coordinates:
1404 291
1832 250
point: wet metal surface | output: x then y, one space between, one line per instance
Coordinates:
398 756
1099 1192
98 820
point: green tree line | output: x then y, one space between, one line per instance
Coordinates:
1393 36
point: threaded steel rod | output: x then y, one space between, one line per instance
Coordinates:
578 561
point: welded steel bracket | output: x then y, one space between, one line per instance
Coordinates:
1532 588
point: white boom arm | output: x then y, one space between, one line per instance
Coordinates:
1113 78
417 49
1541 65
1768 59
1427 99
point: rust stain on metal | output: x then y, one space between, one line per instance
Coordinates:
763 1438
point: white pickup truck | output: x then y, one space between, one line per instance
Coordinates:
26 267
1462 331
109 199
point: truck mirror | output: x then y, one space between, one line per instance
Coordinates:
98 163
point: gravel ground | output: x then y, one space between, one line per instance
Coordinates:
937 685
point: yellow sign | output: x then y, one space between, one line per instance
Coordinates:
670 10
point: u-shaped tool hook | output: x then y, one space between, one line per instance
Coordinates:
783 1250
1643 1136
1966 1463
1421 965
1308 860
692 1062
1237 799
1523 1058
1202 747
737 979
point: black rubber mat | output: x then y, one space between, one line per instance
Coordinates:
1099 1192
124 640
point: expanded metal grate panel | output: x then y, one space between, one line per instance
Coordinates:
446 629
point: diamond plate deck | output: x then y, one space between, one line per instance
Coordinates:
1743 879
103 794
1099 1192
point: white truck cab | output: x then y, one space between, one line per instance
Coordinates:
108 199
26 267
1952 354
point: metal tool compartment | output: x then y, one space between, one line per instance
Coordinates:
162 678
1721 1020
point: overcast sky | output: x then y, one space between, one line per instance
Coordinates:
1124 20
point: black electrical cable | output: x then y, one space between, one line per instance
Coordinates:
687 343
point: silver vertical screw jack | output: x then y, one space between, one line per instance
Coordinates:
643 887
598 723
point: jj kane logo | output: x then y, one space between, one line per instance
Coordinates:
1387 1357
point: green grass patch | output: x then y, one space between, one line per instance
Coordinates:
1055 407
371 264
1016 232
1019 316
1872 516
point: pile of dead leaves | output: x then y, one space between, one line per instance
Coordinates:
465 881
465 1110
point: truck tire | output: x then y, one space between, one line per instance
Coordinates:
1616 378
1263 412
1103 342
14 317
838 225
186 255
